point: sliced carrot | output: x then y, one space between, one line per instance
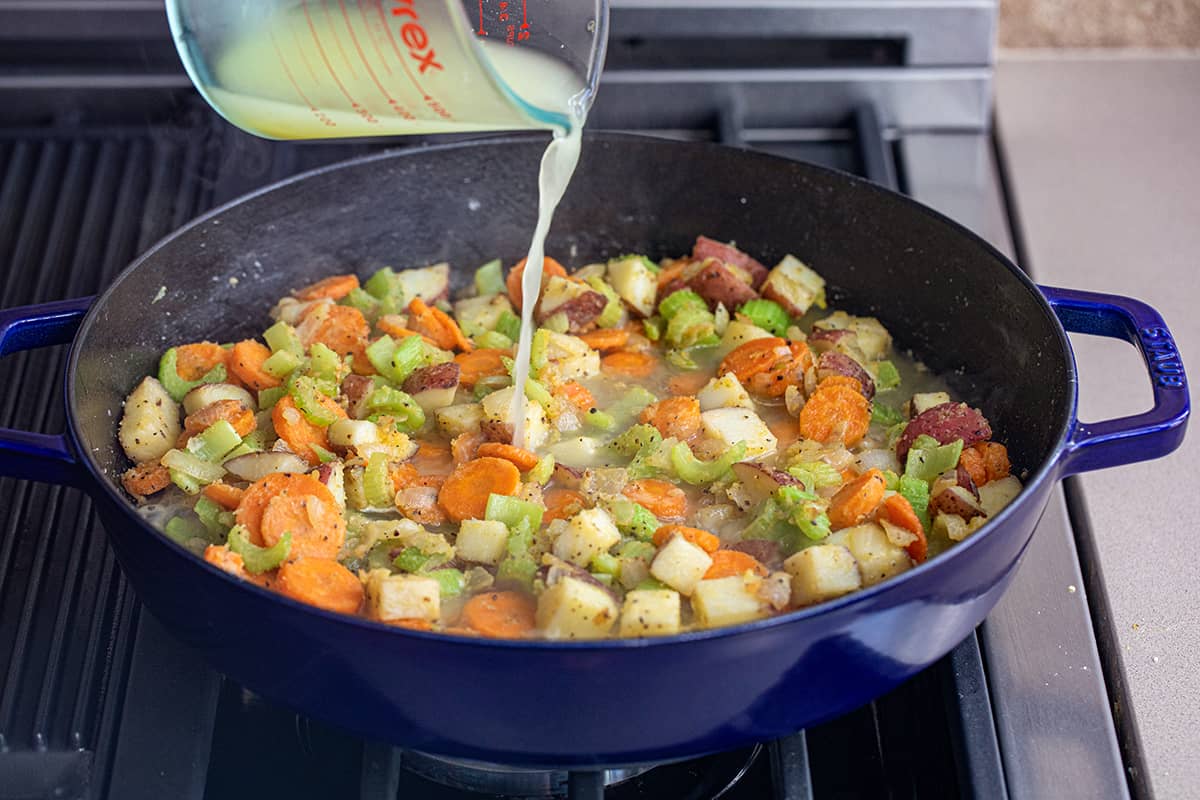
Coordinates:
672 272
193 361
404 475
224 559
300 434
972 461
438 326
232 411
335 287
146 478
857 500
898 511
787 370
995 460
562 503
628 364
849 474
245 362
465 493
752 357
577 395
603 339
343 329
433 458
258 494
727 563
841 380
687 384
521 458
674 416
317 527
479 364
836 412
465 446
500 615
663 499
224 495
513 283
395 326
702 539
321 582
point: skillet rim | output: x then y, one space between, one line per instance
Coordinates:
1047 470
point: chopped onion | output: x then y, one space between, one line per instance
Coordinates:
256 466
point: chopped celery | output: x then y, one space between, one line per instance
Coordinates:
894 433
927 459
815 475
363 301
678 301
803 511
680 359
885 415
306 392
632 519
410 353
605 564
323 455
652 584
192 465
694 471
493 340
259 559
379 353
558 323
182 530
891 480
325 364
214 442
631 403
186 483
653 328
176 386
281 364
886 375
269 397
382 283
636 438
513 512
413 559
399 405
256 440
450 581
603 577
518 566
216 520
377 482
509 324
691 326
600 420
916 492
541 473
636 548
282 336
537 350
766 314
489 279
611 315
538 394
242 449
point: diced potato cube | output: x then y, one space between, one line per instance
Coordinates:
822 572
727 601
635 283
995 495
497 407
353 433
878 558
484 541
402 596
428 283
732 425
737 333
794 285
650 612
872 338
576 609
476 315
680 564
457 420
725 391
588 533
150 423
581 452
923 401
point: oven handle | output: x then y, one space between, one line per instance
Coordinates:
1141 437
45 457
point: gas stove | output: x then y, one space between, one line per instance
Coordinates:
105 147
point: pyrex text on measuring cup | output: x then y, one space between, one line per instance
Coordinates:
307 69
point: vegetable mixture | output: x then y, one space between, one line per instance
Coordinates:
706 445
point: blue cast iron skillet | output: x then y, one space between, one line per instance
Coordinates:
939 289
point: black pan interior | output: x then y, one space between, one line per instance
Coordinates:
939 290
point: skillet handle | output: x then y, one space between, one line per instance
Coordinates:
40 456
1153 434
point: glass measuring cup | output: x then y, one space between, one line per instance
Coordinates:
308 69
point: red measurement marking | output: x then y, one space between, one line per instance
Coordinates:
482 32
363 56
437 107
362 112
524 13
300 92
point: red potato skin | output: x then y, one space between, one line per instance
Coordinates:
581 311
946 422
828 341
830 363
438 376
711 248
495 431
950 502
716 283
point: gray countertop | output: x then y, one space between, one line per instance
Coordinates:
1104 157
